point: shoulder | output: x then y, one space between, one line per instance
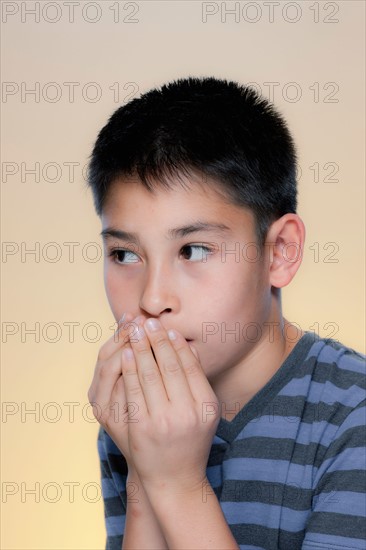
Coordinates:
337 519
327 350
337 370
323 370
337 395
325 383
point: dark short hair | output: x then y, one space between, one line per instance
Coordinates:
219 129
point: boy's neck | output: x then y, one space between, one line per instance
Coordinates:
236 386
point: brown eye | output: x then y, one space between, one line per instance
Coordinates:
199 253
122 256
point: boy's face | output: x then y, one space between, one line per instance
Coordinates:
204 296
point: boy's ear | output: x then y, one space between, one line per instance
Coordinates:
285 240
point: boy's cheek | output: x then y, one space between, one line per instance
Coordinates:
116 293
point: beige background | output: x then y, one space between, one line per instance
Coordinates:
309 49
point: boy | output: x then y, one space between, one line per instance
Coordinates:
223 426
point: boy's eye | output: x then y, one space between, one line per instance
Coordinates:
201 252
122 256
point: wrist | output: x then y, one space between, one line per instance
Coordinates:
171 490
201 510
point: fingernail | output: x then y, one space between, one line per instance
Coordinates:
140 333
153 324
128 354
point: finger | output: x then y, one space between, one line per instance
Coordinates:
108 366
118 402
200 387
174 379
148 372
126 328
133 391
106 376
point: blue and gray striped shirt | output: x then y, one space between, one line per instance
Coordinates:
289 469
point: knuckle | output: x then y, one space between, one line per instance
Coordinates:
180 348
109 368
127 370
97 411
171 367
160 341
135 389
143 349
191 368
101 355
104 370
131 380
150 376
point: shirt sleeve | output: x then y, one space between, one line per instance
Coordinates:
113 470
338 518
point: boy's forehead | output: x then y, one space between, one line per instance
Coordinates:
191 191
192 186
194 200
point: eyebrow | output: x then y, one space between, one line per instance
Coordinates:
173 233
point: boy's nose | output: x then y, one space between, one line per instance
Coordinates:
159 293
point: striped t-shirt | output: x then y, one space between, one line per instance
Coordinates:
289 469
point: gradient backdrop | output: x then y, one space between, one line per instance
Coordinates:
65 68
